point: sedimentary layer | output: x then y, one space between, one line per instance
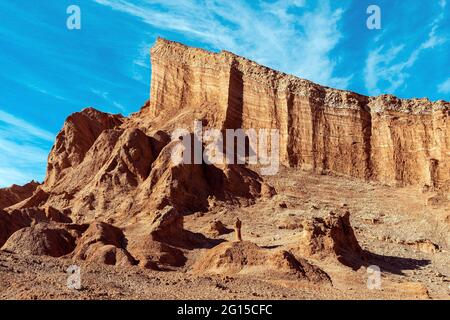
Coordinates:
384 138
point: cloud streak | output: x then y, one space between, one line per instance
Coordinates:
269 33
444 87
23 150
15 122
385 65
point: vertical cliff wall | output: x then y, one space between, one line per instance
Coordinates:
381 138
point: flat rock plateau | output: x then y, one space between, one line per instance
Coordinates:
363 181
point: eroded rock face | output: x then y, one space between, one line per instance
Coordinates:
167 224
115 168
75 139
103 243
15 194
110 168
104 167
15 220
383 138
330 237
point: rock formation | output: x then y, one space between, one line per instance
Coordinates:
243 257
156 255
15 193
217 228
41 239
113 195
101 167
116 168
386 139
330 237
103 243
237 230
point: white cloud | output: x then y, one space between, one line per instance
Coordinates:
298 43
10 176
442 3
106 97
23 150
26 126
444 87
387 67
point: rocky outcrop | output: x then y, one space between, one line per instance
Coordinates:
167 225
14 194
330 237
79 133
41 239
103 243
217 228
156 255
10 224
386 139
101 166
116 168
243 257
15 220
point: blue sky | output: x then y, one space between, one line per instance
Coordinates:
49 71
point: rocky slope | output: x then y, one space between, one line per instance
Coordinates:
112 195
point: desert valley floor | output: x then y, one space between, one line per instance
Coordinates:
401 230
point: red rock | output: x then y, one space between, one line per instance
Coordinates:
15 194
381 138
331 237
75 139
103 243
243 257
41 239
155 255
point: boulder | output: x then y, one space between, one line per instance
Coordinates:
330 237
103 243
41 239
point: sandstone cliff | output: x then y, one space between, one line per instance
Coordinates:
385 139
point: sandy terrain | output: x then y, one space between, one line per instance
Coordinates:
386 220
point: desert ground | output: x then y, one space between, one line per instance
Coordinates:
390 223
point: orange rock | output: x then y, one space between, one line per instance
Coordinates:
331 237
41 239
15 194
153 254
245 257
381 138
103 243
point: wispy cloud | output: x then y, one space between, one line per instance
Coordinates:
23 125
444 87
105 96
23 150
270 33
390 65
